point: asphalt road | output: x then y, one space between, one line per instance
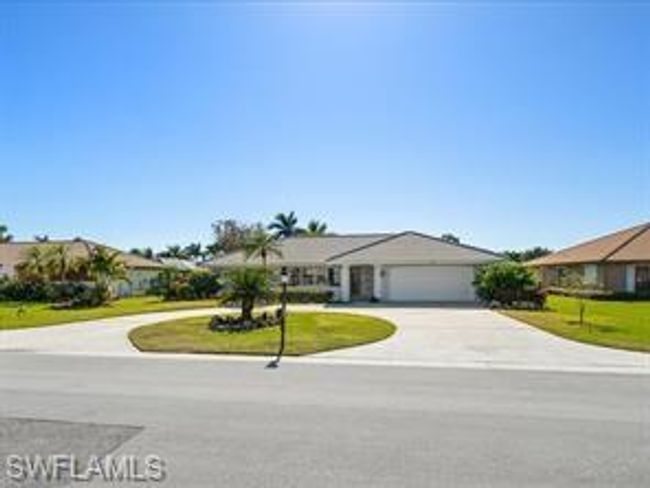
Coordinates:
236 424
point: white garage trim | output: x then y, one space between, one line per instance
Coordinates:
429 283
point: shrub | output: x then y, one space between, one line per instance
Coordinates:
598 294
235 323
187 285
87 296
302 295
40 291
509 284
294 295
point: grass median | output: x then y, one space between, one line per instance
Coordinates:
307 333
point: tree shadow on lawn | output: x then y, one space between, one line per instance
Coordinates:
591 327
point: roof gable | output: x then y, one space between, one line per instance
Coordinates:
415 248
303 250
632 244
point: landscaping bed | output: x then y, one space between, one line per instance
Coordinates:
618 324
307 333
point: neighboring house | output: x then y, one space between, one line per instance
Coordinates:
179 264
140 271
618 262
405 267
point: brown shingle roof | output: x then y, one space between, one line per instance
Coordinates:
13 253
627 245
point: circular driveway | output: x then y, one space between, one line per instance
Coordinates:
426 337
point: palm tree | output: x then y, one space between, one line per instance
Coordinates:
193 251
4 234
246 285
104 267
145 252
285 225
58 261
315 228
34 267
174 251
262 244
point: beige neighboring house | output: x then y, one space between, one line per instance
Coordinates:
140 271
618 262
404 267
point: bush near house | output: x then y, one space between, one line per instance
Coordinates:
509 284
295 295
16 290
187 285
599 294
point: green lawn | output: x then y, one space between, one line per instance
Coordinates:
12 316
624 325
306 333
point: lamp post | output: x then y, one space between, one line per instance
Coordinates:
284 279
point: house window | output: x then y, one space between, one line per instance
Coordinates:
590 274
642 278
334 276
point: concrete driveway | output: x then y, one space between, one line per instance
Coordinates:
477 337
426 337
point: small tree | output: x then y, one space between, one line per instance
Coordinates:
231 235
246 286
58 261
573 282
449 237
34 267
262 244
505 282
104 267
5 236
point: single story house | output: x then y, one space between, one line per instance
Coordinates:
404 267
179 264
141 272
618 262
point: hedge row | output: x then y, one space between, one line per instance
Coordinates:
599 294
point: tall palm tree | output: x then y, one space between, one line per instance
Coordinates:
315 228
262 244
193 251
4 234
145 252
174 251
285 225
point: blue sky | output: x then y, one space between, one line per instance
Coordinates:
510 125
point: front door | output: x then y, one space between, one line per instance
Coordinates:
642 278
361 283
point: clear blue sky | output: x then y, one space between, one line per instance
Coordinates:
511 125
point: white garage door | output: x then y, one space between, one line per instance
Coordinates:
430 283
